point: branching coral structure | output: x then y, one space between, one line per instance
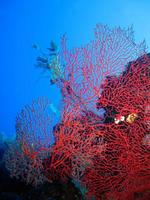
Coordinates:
107 153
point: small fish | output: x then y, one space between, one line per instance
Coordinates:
35 46
131 118
42 59
118 119
53 46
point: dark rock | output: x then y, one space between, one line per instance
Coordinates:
9 196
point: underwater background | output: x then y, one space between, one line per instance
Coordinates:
28 28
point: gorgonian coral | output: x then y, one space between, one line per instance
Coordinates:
102 74
34 125
87 67
24 159
77 143
106 153
125 167
22 166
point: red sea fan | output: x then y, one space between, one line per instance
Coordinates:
25 167
124 170
101 75
34 125
24 159
77 142
128 93
109 154
87 67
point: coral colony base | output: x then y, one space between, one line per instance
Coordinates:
102 142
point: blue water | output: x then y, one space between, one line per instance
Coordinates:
25 22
